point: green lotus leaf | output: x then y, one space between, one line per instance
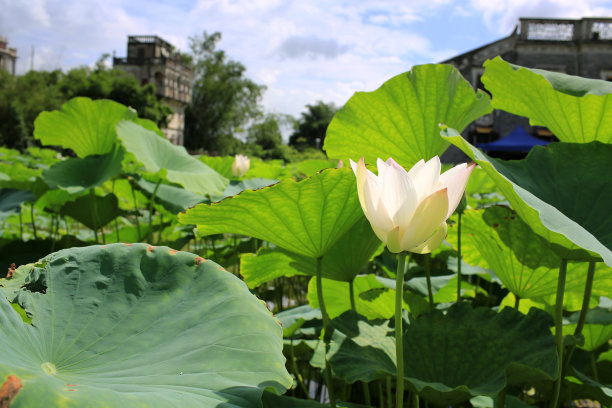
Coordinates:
75 175
221 164
566 204
85 126
271 400
449 358
236 187
400 119
139 326
498 239
581 386
309 167
344 260
17 176
305 217
11 200
294 318
372 299
93 211
174 199
574 109
54 200
168 161
595 335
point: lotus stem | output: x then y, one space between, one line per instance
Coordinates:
517 302
352 295
559 329
33 220
326 332
381 396
151 202
399 343
459 257
136 211
366 393
594 368
428 278
298 376
501 398
20 225
389 392
588 287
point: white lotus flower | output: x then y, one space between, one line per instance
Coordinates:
241 165
408 210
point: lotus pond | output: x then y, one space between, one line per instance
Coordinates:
141 276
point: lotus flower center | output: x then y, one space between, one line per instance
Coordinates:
48 368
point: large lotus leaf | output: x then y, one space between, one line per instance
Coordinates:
595 335
139 326
305 217
401 118
221 164
575 109
75 175
344 260
93 211
372 299
293 319
270 169
54 200
581 386
271 400
521 259
562 192
170 162
450 358
11 200
174 199
85 126
238 186
17 176
307 168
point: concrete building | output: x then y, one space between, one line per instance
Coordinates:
8 56
152 60
577 47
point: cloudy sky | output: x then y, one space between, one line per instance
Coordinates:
303 51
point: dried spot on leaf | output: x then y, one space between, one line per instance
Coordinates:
11 271
127 245
150 248
71 385
198 260
173 251
9 390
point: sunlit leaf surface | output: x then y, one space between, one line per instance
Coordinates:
401 118
139 326
574 109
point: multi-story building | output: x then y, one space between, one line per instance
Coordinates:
8 56
152 60
577 47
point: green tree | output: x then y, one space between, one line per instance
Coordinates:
22 98
223 99
115 84
311 127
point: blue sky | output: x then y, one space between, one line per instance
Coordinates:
303 51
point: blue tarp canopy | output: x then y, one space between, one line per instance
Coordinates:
517 141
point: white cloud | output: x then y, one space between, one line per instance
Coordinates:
301 50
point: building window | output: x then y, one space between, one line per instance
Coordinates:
550 31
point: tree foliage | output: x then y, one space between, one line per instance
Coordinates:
23 97
313 125
223 99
